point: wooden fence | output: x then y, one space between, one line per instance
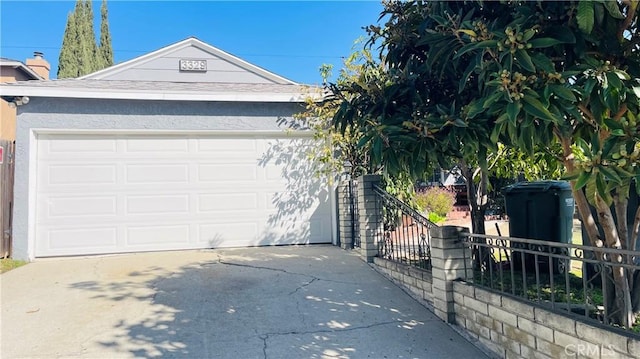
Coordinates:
7 163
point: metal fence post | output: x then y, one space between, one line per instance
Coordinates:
345 223
450 260
370 215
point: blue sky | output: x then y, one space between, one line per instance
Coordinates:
289 38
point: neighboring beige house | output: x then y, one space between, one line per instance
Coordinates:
36 68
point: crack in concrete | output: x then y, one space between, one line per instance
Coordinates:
221 261
305 285
302 317
261 267
319 331
96 272
266 336
264 345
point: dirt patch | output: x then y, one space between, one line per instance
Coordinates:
490 226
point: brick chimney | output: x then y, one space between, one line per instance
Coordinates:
39 65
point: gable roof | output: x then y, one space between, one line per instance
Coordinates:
111 73
20 66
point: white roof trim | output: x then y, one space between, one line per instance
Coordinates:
191 41
20 65
36 91
284 133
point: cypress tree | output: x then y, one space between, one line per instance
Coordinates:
88 48
80 54
68 59
106 51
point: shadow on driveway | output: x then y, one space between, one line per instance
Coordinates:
268 302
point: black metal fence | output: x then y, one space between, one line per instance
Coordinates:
562 276
355 213
404 233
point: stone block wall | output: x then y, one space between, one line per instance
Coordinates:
513 328
415 280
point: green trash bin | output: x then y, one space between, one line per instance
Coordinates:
540 210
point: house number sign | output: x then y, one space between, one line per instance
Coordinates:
193 65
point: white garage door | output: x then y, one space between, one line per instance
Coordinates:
127 193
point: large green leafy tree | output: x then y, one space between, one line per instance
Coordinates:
410 114
462 77
80 54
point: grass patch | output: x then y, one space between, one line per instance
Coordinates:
8 264
545 288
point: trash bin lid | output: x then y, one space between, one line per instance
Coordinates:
537 186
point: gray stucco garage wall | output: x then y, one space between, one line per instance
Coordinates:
132 114
100 114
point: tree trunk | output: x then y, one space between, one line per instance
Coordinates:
482 259
620 308
477 220
476 206
635 230
620 203
635 293
581 200
622 304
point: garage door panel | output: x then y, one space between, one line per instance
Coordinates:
158 236
86 145
80 174
227 202
81 206
157 204
156 173
70 240
227 145
157 192
227 172
319 229
276 236
219 234
274 172
156 145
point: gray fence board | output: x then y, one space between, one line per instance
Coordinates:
6 196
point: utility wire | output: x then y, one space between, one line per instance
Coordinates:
144 52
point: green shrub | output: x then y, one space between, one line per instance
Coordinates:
436 200
436 218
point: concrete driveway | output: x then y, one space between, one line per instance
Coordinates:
270 302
